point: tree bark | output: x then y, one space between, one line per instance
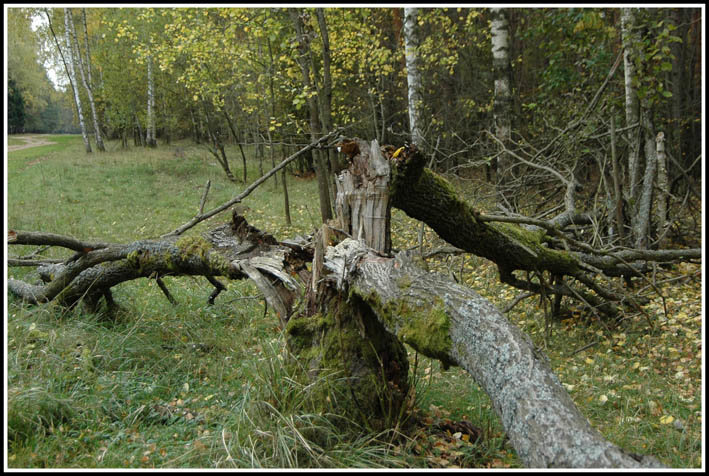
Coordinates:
363 208
86 79
502 107
150 118
662 190
643 210
632 106
72 79
413 75
461 328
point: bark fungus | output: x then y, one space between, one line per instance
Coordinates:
348 306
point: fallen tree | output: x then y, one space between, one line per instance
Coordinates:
541 248
347 303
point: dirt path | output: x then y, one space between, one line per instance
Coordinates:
30 141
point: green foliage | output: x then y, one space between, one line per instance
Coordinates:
35 105
15 108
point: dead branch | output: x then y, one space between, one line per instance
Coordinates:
203 216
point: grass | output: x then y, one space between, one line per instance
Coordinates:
198 386
14 141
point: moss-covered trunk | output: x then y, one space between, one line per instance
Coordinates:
426 196
369 365
341 333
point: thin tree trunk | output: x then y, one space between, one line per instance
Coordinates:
286 202
195 130
632 106
72 79
236 139
662 192
643 212
499 29
85 80
413 76
325 96
618 195
272 96
150 120
86 45
304 61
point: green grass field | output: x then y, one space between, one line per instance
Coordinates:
197 386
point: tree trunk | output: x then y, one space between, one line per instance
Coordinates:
502 104
632 106
286 202
86 46
304 60
150 118
617 181
325 96
72 79
643 210
237 140
85 79
413 76
662 190
363 208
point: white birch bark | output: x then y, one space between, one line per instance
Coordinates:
501 109
86 82
72 78
150 120
413 75
86 45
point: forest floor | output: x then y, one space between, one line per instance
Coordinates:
156 385
34 140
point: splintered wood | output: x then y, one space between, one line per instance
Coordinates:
362 202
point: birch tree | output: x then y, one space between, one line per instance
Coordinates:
69 65
501 109
632 106
84 67
413 75
150 118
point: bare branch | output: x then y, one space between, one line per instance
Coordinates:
203 216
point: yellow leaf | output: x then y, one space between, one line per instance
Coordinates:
667 419
589 360
603 399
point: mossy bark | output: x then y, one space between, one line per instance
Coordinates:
370 364
426 196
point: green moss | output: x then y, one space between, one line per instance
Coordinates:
196 245
404 282
371 364
553 260
426 330
193 245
